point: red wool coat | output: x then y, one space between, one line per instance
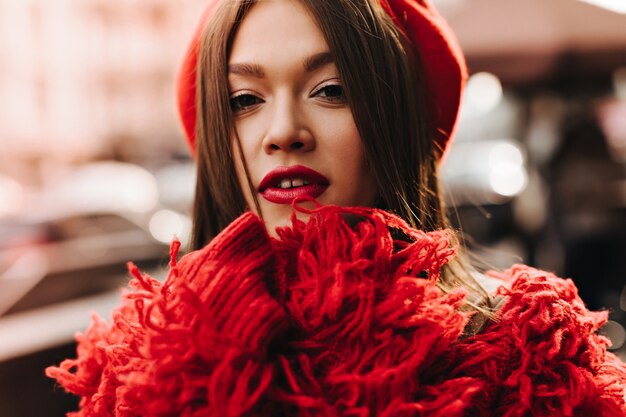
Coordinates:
339 320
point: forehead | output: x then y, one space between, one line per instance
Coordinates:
276 29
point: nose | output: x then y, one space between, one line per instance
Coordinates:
287 131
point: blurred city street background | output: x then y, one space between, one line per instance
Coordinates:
94 171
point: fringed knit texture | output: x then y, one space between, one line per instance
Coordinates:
338 318
543 357
180 348
367 325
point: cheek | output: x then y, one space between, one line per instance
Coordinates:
351 171
237 160
340 134
249 131
349 149
241 172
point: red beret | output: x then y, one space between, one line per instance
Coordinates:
445 70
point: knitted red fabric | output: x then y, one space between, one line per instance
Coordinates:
543 357
193 346
335 318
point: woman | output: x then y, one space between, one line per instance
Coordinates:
323 118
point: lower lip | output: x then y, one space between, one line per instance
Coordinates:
286 196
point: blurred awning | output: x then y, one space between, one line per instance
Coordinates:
525 40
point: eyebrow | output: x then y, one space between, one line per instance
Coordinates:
317 61
253 70
310 64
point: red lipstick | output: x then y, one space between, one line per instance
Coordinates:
300 180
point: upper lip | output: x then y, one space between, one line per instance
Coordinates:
273 178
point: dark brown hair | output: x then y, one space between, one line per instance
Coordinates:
381 74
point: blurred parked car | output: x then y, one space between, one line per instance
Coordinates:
64 257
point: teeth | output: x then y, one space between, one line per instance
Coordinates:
291 183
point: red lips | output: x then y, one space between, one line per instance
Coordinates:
271 190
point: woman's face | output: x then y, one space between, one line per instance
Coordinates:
298 136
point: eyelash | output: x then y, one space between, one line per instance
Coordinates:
238 101
340 98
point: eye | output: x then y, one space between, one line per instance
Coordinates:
331 92
244 101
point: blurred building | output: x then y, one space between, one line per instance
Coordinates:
527 41
80 77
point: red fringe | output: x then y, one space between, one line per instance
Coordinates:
543 357
177 348
331 319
